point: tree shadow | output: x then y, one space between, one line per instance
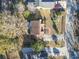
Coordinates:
29 40
54 26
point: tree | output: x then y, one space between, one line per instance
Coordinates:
32 16
26 14
38 45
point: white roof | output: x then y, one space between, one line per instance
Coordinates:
63 51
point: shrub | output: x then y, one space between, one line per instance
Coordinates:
26 14
38 46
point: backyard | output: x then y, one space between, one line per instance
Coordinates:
55 22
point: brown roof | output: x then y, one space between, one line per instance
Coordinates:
35 27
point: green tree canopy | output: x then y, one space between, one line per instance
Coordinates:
38 45
26 14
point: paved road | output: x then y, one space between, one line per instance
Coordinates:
71 7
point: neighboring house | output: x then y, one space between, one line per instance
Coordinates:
56 51
45 3
28 53
37 28
51 3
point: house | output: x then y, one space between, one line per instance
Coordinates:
37 28
28 53
40 30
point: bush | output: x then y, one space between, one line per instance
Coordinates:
26 14
38 46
